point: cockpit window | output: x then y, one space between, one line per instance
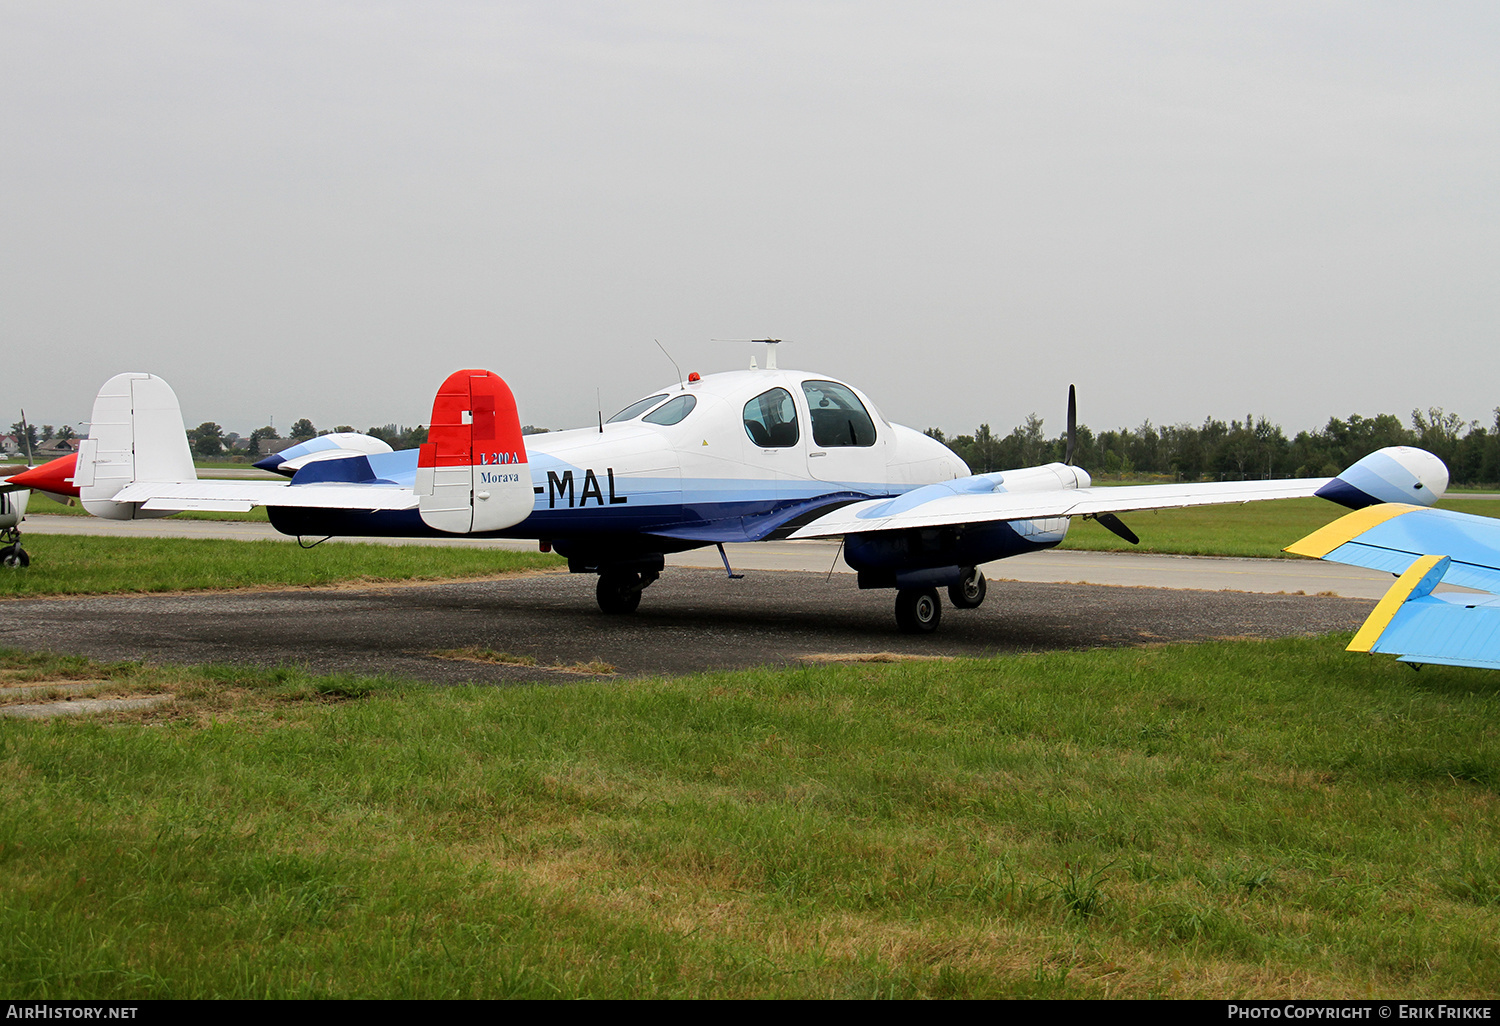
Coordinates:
634 410
771 419
672 411
838 417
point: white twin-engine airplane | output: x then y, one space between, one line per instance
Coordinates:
735 457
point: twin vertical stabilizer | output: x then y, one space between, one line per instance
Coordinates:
136 434
472 473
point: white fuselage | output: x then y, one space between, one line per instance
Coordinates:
722 459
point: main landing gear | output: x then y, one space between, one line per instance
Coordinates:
919 610
619 592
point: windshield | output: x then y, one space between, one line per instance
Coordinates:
672 412
634 410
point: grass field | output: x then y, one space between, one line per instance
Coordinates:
84 564
1253 529
1277 820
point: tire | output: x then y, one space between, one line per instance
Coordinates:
14 556
969 592
918 610
618 594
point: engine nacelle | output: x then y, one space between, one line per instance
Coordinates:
13 508
939 556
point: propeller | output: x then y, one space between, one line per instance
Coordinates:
1072 426
26 434
1108 521
1115 525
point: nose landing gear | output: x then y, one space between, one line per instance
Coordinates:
12 555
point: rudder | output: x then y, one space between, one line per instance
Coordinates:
472 473
135 434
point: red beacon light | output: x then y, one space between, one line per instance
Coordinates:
694 376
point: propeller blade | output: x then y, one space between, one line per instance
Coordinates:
1072 426
1114 525
26 435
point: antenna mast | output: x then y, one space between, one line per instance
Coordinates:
680 386
769 343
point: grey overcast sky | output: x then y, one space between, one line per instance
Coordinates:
320 209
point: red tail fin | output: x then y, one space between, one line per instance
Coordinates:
475 427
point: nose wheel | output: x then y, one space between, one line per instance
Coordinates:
12 555
918 610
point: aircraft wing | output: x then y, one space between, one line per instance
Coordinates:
949 504
240 496
1427 547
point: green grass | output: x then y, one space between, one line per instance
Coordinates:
1277 820
1253 529
84 564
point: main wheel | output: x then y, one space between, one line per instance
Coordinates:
14 556
969 592
918 610
618 593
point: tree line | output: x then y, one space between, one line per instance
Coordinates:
1236 450
29 436
1239 450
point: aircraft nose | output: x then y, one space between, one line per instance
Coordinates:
55 477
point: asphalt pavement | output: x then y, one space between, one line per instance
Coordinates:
691 620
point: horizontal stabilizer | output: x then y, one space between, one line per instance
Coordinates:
166 498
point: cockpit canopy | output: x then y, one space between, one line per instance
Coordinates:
834 417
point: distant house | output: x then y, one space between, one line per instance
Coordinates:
9 444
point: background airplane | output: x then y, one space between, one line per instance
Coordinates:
1427 547
15 493
740 456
